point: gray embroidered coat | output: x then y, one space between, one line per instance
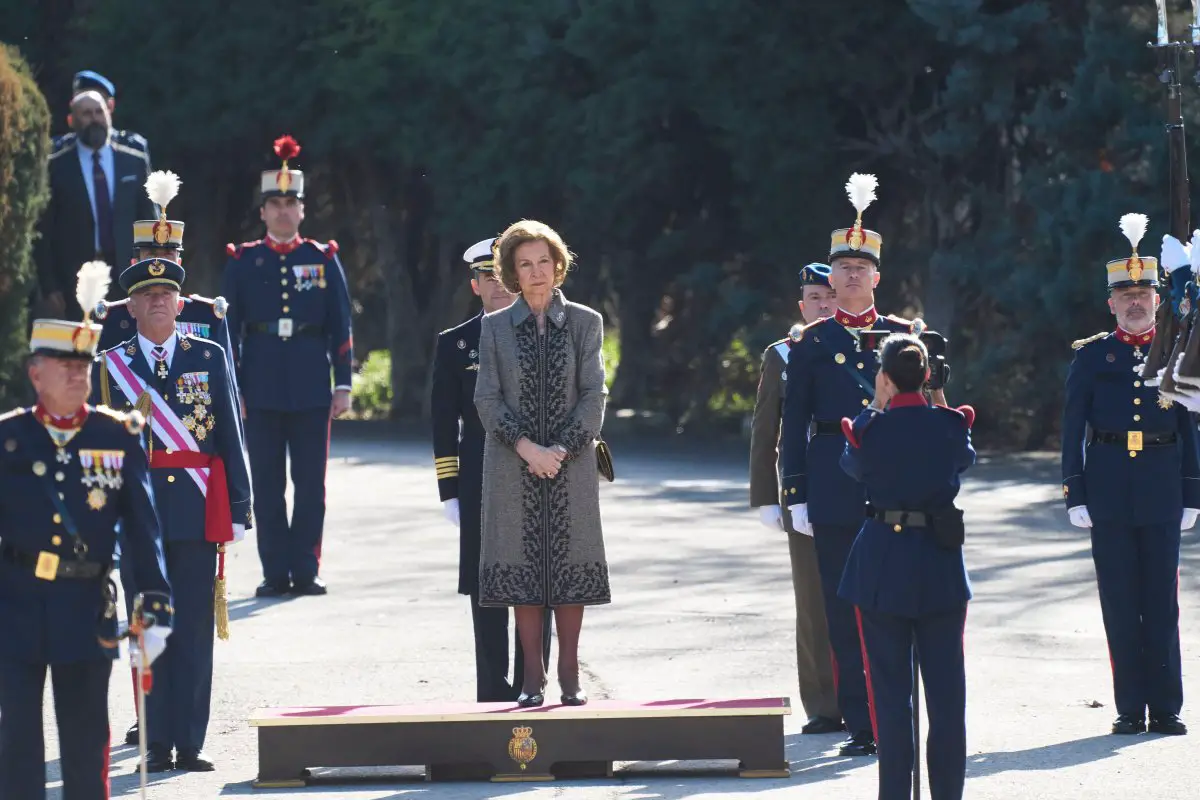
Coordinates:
542 543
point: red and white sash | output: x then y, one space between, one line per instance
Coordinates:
165 423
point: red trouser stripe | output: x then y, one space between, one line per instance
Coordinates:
862 641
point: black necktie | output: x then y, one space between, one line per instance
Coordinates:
104 217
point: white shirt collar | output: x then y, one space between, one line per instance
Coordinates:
147 348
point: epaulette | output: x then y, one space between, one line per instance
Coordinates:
329 250
129 151
57 143
235 250
16 412
134 140
65 147
797 332
132 420
916 326
1078 343
966 413
219 304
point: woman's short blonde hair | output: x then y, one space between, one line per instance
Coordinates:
519 233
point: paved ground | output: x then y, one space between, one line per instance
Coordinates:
703 609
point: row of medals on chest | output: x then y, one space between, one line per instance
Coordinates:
191 388
100 470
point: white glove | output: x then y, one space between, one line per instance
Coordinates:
771 517
155 639
239 532
800 522
1189 518
1080 517
1175 254
450 511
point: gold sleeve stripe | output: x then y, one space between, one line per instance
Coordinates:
450 472
446 460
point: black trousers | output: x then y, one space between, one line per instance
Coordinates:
491 653
81 708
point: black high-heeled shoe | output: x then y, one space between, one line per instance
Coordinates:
580 698
526 700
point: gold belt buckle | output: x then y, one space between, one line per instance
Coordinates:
285 328
47 566
1134 441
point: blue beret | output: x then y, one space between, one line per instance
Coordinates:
87 79
152 272
815 275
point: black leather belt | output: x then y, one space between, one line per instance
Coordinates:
298 329
914 519
68 567
1123 438
825 427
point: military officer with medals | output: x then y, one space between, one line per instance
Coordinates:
813 663
1135 484
458 461
201 489
830 375
72 474
289 321
155 238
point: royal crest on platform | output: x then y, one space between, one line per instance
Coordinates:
522 748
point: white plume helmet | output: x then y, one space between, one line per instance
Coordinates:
91 285
161 187
1134 228
861 189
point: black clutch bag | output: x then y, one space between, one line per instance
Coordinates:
604 460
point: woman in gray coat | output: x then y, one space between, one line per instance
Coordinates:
540 396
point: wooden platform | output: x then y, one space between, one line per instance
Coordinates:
501 742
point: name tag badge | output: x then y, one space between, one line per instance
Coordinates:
47 566
285 328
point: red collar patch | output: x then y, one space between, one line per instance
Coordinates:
1135 339
864 320
70 423
283 248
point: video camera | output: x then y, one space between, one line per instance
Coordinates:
939 368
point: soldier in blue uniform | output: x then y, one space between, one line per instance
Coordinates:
201 489
905 573
458 461
155 238
289 320
88 80
1135 483
72 473
830 374
814 666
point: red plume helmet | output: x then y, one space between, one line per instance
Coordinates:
287 148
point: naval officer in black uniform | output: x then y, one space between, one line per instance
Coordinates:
458 460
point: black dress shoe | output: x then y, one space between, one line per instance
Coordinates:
193 762
861 743
1129 725
525 700
269 589
578 699
158 761
312 588
131 735
818 724
1168 724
